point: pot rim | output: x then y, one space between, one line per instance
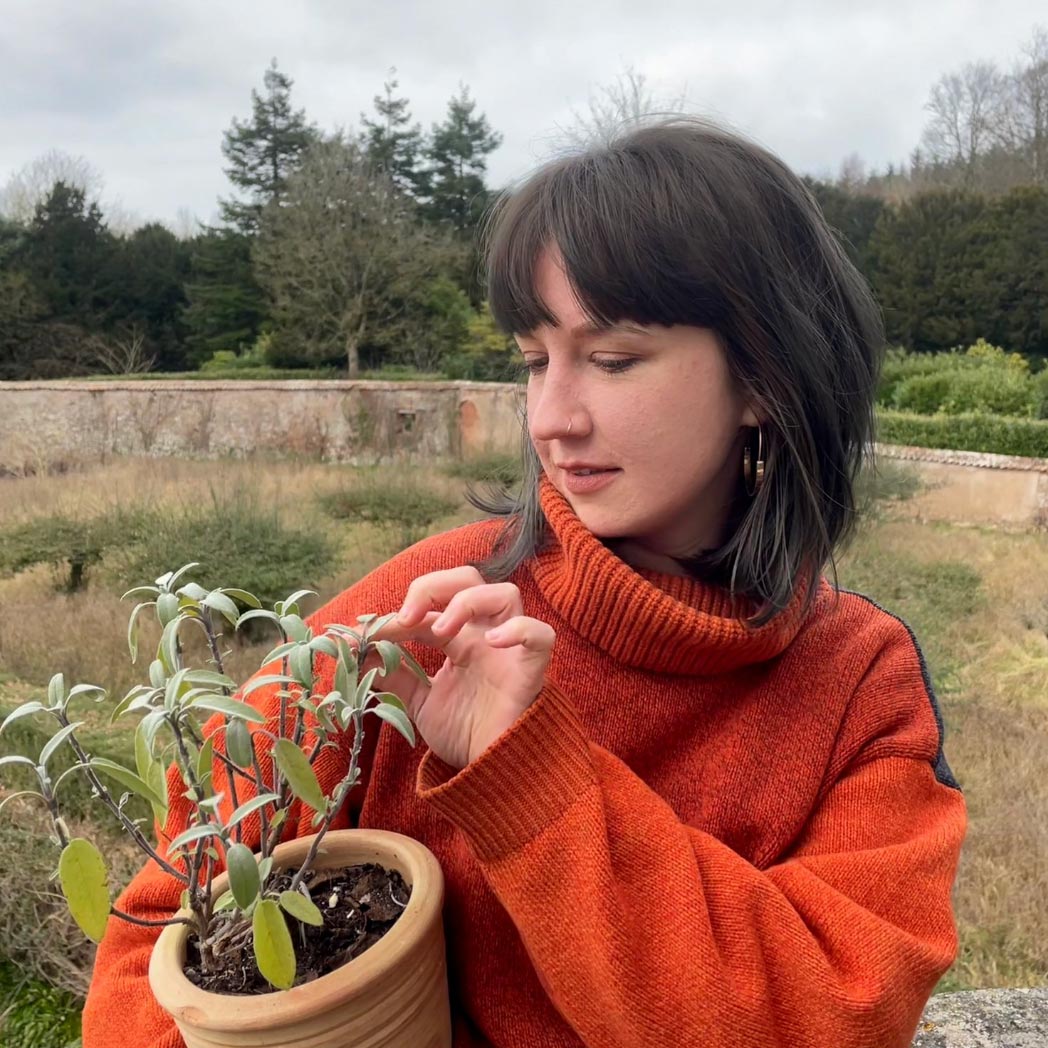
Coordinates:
211 1011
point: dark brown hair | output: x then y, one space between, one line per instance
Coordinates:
686 222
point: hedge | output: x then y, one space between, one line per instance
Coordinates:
997 434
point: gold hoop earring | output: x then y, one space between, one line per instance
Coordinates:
753 473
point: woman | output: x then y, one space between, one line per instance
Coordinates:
683 789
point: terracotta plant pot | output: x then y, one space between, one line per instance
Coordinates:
394 995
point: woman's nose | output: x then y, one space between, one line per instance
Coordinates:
556 412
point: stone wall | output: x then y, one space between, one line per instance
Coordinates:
67 422
46 424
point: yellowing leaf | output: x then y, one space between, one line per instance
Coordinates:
274 954
82 874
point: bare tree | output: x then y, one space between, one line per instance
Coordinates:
123 353
32 184
616 107
1024 128
341 253
967 110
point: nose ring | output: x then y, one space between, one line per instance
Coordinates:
571 422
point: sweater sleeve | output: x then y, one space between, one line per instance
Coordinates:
645 931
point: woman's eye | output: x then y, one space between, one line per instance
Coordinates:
616 365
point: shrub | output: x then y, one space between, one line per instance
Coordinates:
985 388
35 1015
973 432
232 536
496 467
69 545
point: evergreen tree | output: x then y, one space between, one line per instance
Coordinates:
263 151
225 306
67 253
926 259
457 153
853 216
392 143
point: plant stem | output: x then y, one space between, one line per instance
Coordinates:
145 923
106 797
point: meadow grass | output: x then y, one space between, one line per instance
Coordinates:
977 600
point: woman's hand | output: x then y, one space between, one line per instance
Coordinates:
495 665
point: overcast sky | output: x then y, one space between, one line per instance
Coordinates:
144 91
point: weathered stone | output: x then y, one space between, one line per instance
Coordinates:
985 1019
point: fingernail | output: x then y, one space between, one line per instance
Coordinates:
439 624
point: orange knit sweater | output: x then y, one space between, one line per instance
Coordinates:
699 834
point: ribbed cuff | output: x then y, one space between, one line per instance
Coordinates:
520 784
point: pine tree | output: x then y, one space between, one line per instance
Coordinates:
393 144
263 151
457 153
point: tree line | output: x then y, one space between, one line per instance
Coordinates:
358 249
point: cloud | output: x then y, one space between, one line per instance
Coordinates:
145 92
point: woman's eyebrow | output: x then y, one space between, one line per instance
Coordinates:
621 327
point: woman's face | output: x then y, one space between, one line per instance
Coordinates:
654 405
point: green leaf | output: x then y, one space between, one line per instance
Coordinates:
157 781
413 665
229 707
223 605
167 649
83 689
128 779
224 902
294 627
301 664
248 807
274 954
205 757
244 881
377 623
279 651
324 644
396 717
301 908
295 766
151 590
25 710
266 865
210 677
56 690
17 758
85 885
292 601
28 793
238 742
390 656
132 629
243 596
56 740
272 678
364 687
260 614
166 608
157 674
193 834
168 581
193 592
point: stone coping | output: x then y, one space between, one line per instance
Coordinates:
67 385
1012 1018
982 459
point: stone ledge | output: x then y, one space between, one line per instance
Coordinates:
985 1019
982 459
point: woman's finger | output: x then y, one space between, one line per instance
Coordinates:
434 590
534 635
491 604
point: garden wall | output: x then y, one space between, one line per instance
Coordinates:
49 424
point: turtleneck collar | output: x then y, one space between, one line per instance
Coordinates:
644 618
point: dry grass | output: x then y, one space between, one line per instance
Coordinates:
977 599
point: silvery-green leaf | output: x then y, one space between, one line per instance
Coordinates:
211 677
259 614
224 902
193 592
172 577
243 596
279 651
127 778
378 623
30 793
151 590
301 665
229 707
25 710
56 691
324 644
390 656
224 605
248 807
166 608
56 740
16 758
167 649
413 665
294 627
391 699
273 678
397 718
194 834
291 604
360 696
84 689
157 674
205 757
265 866
238 742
